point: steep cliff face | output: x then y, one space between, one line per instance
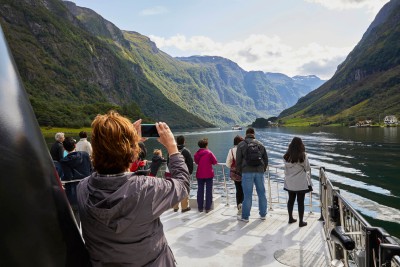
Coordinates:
76 64
71 75
367 83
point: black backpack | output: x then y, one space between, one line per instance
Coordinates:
253 155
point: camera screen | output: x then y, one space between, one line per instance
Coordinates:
149 130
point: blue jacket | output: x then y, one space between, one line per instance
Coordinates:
75 166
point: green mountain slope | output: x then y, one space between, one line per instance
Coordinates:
366 85
70 75
75 64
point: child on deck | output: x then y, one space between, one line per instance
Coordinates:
156 162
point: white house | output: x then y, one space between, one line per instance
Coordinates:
391 119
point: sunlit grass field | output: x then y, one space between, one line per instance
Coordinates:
50 132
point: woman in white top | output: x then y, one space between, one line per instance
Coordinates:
84 144
235 176
297 180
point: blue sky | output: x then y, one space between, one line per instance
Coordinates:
294 37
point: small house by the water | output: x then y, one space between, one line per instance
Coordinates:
390 120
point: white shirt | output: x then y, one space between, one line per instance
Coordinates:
84 145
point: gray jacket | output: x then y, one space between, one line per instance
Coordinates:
241 165
297 177
120 216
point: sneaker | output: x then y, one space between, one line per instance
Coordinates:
263 218
200 210
187 209
175 210
207 211
242 219
239 209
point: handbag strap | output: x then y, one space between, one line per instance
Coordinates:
233 157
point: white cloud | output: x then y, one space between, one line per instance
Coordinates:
261 52
373 6
153 11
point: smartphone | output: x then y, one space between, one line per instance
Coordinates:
149 130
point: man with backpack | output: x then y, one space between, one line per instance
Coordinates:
252 162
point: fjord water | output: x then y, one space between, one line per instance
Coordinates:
363 162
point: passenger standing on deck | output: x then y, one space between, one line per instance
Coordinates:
297 180
75 166
57 149
205 160
180 141
234 174
84 144
252 162
156 162
120 211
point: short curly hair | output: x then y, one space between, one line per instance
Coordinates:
203 143
114 142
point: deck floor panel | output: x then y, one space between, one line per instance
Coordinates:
219 239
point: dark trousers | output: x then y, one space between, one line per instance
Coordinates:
300 204
208 182
239 192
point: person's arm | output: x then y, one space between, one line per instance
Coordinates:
307 168
229 158
188 159
307 163
89 146
60 151
265 159
239 157
165 193
214 160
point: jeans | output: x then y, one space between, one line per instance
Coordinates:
248 180
208 182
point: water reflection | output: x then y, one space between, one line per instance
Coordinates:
364 162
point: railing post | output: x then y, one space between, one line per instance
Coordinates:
311 204
322 188
226 187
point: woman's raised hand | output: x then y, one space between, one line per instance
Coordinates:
166 138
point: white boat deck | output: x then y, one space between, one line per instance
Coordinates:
219 239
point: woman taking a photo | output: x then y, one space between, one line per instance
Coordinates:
120 210
297 179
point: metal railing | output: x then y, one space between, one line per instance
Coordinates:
352 241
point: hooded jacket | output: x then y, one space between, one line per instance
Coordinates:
120 216
75 166
296 176
204 158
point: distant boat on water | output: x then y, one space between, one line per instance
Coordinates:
236 127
